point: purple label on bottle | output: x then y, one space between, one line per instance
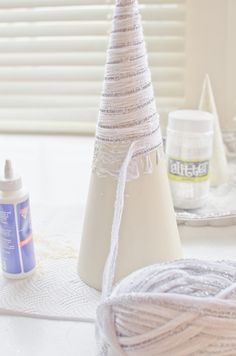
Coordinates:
25 235
8 231
17 247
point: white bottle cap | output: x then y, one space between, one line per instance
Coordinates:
195 121
10 182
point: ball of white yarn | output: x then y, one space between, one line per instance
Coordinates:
187 307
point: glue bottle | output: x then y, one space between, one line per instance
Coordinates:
16 239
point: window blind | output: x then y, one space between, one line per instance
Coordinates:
52 57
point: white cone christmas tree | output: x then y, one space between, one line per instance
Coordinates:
127 148
219 165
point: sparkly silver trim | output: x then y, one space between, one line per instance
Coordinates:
128 124
127 110
127 16
147 150
127 44
125 75
127 59
120 3
127 137
128 29
129 92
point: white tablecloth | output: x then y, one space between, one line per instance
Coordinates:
56 171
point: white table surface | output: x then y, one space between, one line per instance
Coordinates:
56 171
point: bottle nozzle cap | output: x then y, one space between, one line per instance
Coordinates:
8 170
10 182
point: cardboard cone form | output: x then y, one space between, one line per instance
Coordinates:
219 165
128 125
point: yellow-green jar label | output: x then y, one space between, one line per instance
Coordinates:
188 171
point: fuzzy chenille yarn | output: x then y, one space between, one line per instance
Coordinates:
186 307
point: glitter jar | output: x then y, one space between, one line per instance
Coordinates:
189 149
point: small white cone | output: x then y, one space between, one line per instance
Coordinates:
219 165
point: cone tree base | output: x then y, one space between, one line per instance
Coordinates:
148 231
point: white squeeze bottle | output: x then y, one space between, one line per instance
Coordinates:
16 239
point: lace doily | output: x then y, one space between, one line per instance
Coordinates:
55 290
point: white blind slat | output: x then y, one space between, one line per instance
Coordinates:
52 57
51 113
53 119
67 101
77 73
51 125
62 44
88 13
171 59
58 114
12 4
77 88
84 28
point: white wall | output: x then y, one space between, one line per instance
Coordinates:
211 48
231 61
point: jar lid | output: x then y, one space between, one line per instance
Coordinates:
190 121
